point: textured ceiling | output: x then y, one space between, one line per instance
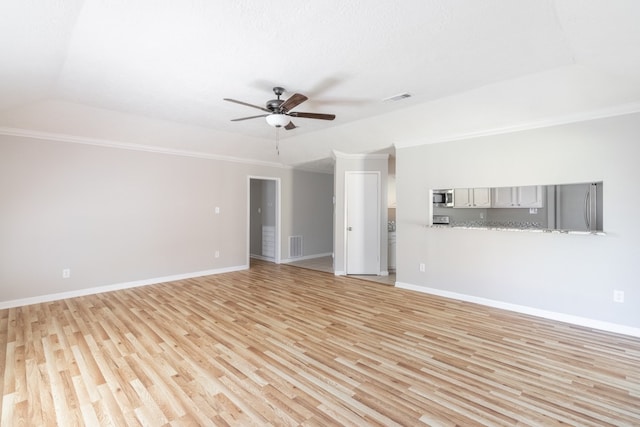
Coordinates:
140 68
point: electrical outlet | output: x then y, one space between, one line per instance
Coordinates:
66 273
618 296
422 267
217 210
217 254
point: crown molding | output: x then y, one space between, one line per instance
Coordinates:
375 156
59 137
618 110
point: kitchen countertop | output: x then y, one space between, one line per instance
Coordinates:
527 230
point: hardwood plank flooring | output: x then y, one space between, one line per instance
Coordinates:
325 264
285 346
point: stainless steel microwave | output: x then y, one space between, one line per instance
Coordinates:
443 198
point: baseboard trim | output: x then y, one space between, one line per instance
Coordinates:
551 315
115 287
262 258
302 258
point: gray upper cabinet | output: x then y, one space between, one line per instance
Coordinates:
472 198
531 196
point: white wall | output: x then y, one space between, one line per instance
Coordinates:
574 275
116 216
311 213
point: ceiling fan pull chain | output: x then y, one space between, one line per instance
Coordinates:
278 141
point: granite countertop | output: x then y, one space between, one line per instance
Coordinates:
524 227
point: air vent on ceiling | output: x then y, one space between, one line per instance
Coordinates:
397 97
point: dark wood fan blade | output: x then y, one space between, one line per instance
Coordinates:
313 115
247 118
293 101
290 126
248 105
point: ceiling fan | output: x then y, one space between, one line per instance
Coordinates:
278 111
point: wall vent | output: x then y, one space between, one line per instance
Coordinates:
295 246
397 97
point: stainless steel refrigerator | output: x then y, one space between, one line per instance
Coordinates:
578 207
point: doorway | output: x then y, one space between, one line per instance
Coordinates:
263 219
363 222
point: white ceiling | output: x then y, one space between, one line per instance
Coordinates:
154 72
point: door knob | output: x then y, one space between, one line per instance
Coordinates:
349 228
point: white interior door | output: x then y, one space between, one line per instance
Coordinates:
363 222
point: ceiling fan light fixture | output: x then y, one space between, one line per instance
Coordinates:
279 111
278 120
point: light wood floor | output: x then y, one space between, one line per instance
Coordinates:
280 345
325 264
